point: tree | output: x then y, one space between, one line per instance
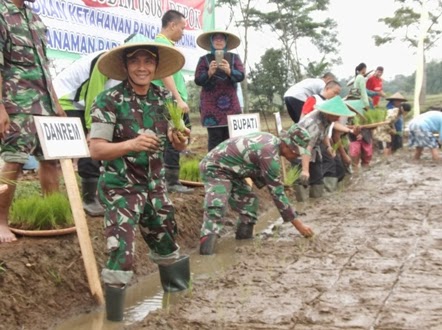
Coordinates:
405 24
296 22
269 78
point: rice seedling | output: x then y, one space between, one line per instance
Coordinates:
371 116
34 212
176 116
4 180
189 169
292 175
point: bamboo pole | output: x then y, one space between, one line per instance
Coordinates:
420 58
84 239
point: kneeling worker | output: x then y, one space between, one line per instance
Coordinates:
224 170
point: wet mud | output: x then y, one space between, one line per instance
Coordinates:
374 263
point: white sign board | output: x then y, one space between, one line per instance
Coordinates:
243 124
61 137
278 122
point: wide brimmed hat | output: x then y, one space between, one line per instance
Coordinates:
204 39
297 138
112 64
336 107
356 106
396 96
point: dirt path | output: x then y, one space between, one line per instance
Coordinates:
375 263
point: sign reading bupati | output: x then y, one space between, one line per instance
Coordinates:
78 27
243 124
61 137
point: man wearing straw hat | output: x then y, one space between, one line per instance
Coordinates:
395 101
255 156
318 124
128 132
173 24
219 74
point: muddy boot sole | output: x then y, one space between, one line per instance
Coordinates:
207 244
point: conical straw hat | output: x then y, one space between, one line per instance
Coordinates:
396 96
356 105
336 107
112 65
203 40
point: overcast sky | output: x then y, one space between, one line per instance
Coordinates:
357 23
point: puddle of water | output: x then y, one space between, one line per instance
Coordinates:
147 295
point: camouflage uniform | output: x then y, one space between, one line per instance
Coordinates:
132 187
223 171
318 126
27 87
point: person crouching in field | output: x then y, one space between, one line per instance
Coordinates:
224 170
421 133
386 133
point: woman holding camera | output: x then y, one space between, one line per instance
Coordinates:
218 73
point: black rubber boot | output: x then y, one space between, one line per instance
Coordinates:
176 276
91 205
173 183
244 230
114 303
207 244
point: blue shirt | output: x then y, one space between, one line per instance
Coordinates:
430 121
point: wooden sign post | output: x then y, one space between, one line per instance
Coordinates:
63 138
244 124
278 125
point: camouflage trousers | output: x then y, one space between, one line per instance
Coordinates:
220 189
21 139
158 229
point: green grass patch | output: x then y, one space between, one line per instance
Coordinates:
31 211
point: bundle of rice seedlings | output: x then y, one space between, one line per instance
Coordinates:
292 175
41 213
176 116
371 116
189 169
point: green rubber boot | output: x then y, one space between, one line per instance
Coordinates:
316 190
330 183
115 303
301 193
176 276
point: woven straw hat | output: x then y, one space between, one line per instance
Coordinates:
203 40
336 107
396 96
112 65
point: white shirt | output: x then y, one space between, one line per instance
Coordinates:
305 88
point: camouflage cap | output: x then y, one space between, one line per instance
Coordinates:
297 138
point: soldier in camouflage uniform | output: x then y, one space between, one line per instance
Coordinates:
129 132
224 169
27 91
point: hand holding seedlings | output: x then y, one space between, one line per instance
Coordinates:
178 138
